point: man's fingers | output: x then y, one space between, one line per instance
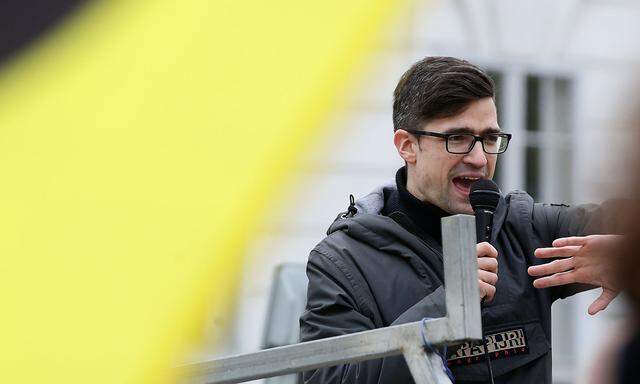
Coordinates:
573 240
555 280
485 249
566 251
488 264
487 269
602 301
556 266
488 277
487 291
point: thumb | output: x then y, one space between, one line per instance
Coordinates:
602 301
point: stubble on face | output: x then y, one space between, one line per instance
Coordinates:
442 178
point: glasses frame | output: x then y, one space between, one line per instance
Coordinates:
473 144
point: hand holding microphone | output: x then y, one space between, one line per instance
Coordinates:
487 270
484 198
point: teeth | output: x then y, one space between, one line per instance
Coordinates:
470 178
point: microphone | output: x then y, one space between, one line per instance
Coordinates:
484 198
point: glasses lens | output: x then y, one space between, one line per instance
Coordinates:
495 143
460 143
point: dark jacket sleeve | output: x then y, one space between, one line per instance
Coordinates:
333 310
431 306
553 221
337 305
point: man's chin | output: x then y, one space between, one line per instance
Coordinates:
461 208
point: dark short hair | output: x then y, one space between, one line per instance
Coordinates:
437 87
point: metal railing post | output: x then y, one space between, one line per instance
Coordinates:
461 277
425 367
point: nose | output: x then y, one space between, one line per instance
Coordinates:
476 158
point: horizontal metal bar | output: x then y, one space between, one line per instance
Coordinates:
300 357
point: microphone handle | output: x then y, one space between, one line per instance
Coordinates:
484 220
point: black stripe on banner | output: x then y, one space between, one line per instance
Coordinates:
22 21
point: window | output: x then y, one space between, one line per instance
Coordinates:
537 109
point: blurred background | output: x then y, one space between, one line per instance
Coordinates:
167 167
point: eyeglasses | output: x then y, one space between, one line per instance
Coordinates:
463 143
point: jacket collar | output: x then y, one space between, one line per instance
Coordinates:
367 222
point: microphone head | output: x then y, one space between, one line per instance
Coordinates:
484 194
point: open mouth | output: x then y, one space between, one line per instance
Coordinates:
463 183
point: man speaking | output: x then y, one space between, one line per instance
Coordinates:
381 263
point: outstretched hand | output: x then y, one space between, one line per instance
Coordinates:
584 259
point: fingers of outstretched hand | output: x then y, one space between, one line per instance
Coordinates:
566 251
485 249
556 266
554 280
573 240
602 301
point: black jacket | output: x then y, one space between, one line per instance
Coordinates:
370 272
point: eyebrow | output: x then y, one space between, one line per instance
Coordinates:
469 130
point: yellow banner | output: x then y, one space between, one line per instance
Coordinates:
139 145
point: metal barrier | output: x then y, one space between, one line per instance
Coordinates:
462 323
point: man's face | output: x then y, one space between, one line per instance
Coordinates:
443 179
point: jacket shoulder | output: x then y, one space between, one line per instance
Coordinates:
334 246
546 221
531 220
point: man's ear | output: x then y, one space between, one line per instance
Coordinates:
407 145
